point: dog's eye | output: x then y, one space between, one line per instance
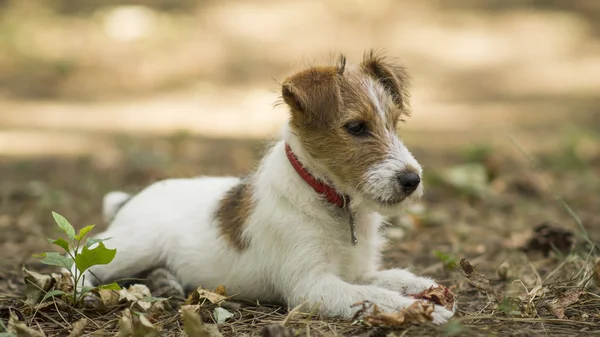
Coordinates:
357 128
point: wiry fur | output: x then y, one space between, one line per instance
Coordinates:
288 244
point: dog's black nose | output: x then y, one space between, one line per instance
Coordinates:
409 181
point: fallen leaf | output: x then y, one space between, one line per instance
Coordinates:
547 237
478 280
22 330
504 271
558 305
144 328
101 300
37 285
125 324
153 307
220 290
79 327
195 308
195 327
134 292
221 315
597 272
439 295
63 281
136 326
418 313
200 295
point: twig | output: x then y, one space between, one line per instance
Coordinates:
293 312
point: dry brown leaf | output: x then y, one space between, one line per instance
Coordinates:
101 300
136 326
220 290
195 327
134 292
195 308
504 271
439 295
20 329
79 327
153 308
418 313
37 286
125 324
63 281
144 328
548 237
558 305
597 272
478 280
200 295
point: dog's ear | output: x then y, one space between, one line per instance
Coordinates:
313 95
393 77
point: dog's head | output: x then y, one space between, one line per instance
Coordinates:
345 117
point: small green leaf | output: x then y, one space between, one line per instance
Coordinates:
64 225
112 286
151 299
221 315
83 232
62 243
448 260
55 259
91 241
91 257
52 293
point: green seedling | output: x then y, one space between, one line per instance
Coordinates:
82 259
449 260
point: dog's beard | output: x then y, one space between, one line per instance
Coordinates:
389 205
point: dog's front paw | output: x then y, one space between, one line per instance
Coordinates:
402 281
419 284
441 315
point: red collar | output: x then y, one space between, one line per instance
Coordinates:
325 190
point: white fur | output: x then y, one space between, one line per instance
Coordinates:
111 203
381 181
299 251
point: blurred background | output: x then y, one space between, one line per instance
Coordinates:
74 72
107 94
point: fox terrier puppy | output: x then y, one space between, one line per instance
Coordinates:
304 228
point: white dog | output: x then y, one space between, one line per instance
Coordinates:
302 229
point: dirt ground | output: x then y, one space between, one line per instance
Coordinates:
505 122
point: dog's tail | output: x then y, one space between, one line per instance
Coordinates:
112 203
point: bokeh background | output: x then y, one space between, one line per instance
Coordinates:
74 72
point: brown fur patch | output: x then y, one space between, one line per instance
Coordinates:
233 212
325 100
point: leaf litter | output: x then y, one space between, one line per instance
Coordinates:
558 305
419 312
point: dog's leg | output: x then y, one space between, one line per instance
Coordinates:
136 252
400 280
334 297
163 283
